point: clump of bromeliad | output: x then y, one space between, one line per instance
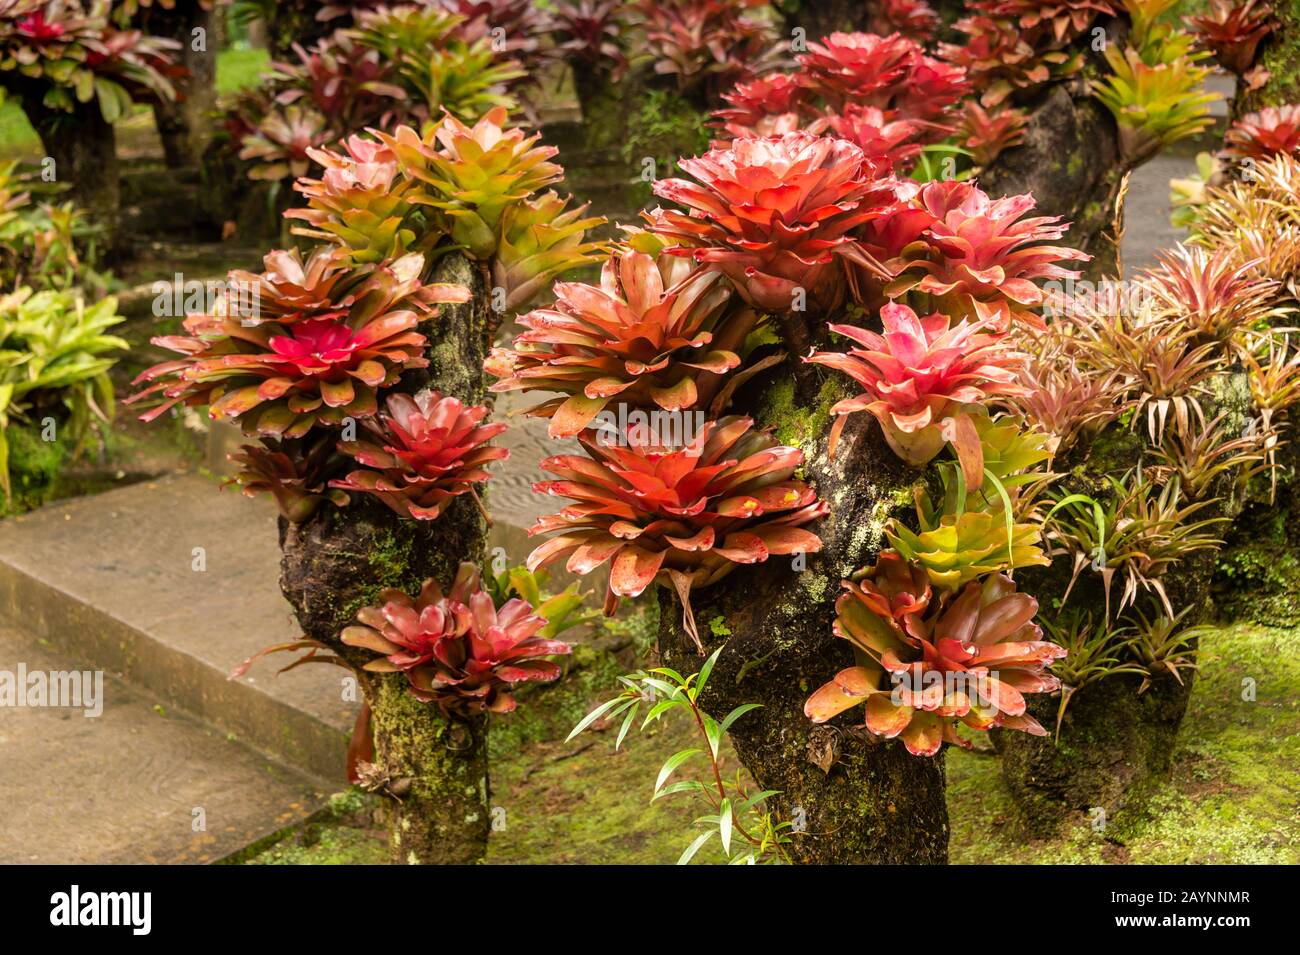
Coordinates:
767 226
320 357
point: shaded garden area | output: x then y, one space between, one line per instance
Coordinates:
695 431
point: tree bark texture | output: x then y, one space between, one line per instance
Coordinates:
84 149
861 800
1114 743
1070 163
186 125
433 767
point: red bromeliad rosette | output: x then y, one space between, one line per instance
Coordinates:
977 257
320 353
424 450
457 650
657 332
927 664
919 374
775 215
685 516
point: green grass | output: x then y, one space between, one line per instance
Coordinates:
236 70
1231 797
240 69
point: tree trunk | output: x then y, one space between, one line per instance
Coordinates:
185 126
1114 743
856 799
433 767
1070 162
84 149
818 18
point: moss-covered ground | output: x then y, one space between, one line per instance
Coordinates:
1233 796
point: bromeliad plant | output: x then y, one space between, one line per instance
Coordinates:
38 240
1138 531
1155 100
969 255
891 73
480 186
457 650
316 353
655 332
1233 29
469 176
592 33
684 515
420 453
55 353
882 93
775 215
73 52
921 376
1261 135
707 45
929 662
406 63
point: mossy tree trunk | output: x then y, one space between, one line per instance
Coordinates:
859 799
185 126
1070 161
1071 165
83 146
1114 743
433 768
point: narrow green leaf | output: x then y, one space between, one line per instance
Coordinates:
737 713
675 760
707 669
695 847
724 825
594 715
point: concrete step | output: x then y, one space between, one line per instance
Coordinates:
169 584
137 783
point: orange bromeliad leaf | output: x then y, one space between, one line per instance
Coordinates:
685 516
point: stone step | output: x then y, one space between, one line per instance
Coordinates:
169 584
137 783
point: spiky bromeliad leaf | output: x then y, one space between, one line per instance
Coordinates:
422 451
685 516
656 333
313 345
